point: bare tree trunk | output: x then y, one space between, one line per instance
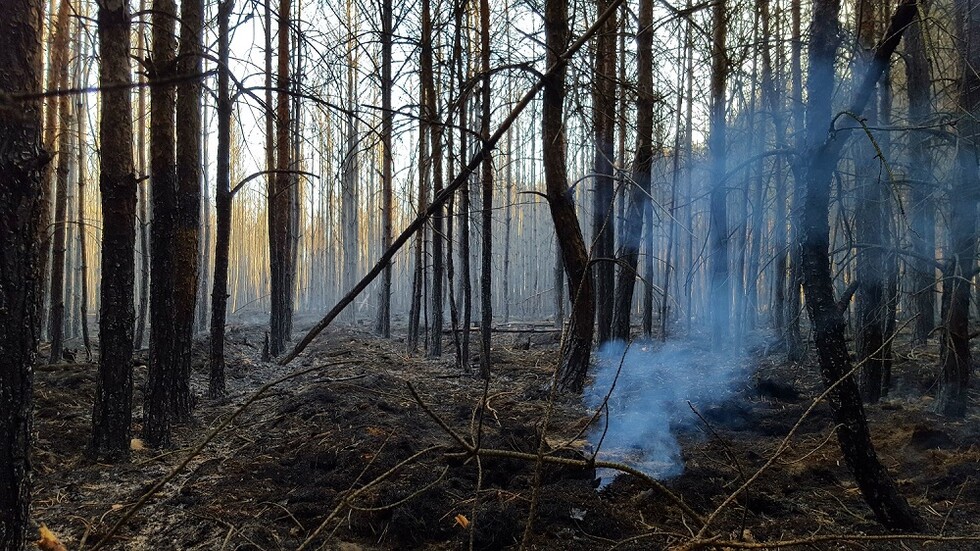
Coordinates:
112 415
603 224
57 63
223 197
919 78
21 281
162 380
869 222
280 270
464 198
418 279
486 179
629 252
578 342
189 163
955 345
720 280
383 326
56 292
143 202
81 113
823 154
794 338
435 165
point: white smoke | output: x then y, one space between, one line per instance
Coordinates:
651 385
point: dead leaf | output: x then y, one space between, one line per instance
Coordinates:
136 445
49 541
462 521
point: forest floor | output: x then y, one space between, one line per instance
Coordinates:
307 451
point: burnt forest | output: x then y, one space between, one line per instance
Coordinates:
364 275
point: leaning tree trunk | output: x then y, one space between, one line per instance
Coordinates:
965 196
823 154
639 197
578 343
21 284
112 415
161 386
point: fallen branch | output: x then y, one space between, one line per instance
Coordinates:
472 451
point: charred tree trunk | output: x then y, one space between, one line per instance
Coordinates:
919 85
143 204
603 223
578 343
112 415
189 163
280 270
794 337
56 291
162 378
223 197
383 326
22 161
81 113
435 165
869 222
639 197
486 214
955 346
720 303
823 154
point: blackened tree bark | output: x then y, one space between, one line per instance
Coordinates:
578 343
435 165
955 344
869 223
57 63
56 289
143 195
720 302
161 386
486 215
113 412
383 326
823 153
189 163
639 196
81 114
21 284
603 224
919 78
280 321
793 335
223 197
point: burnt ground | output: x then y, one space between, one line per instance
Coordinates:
304 452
